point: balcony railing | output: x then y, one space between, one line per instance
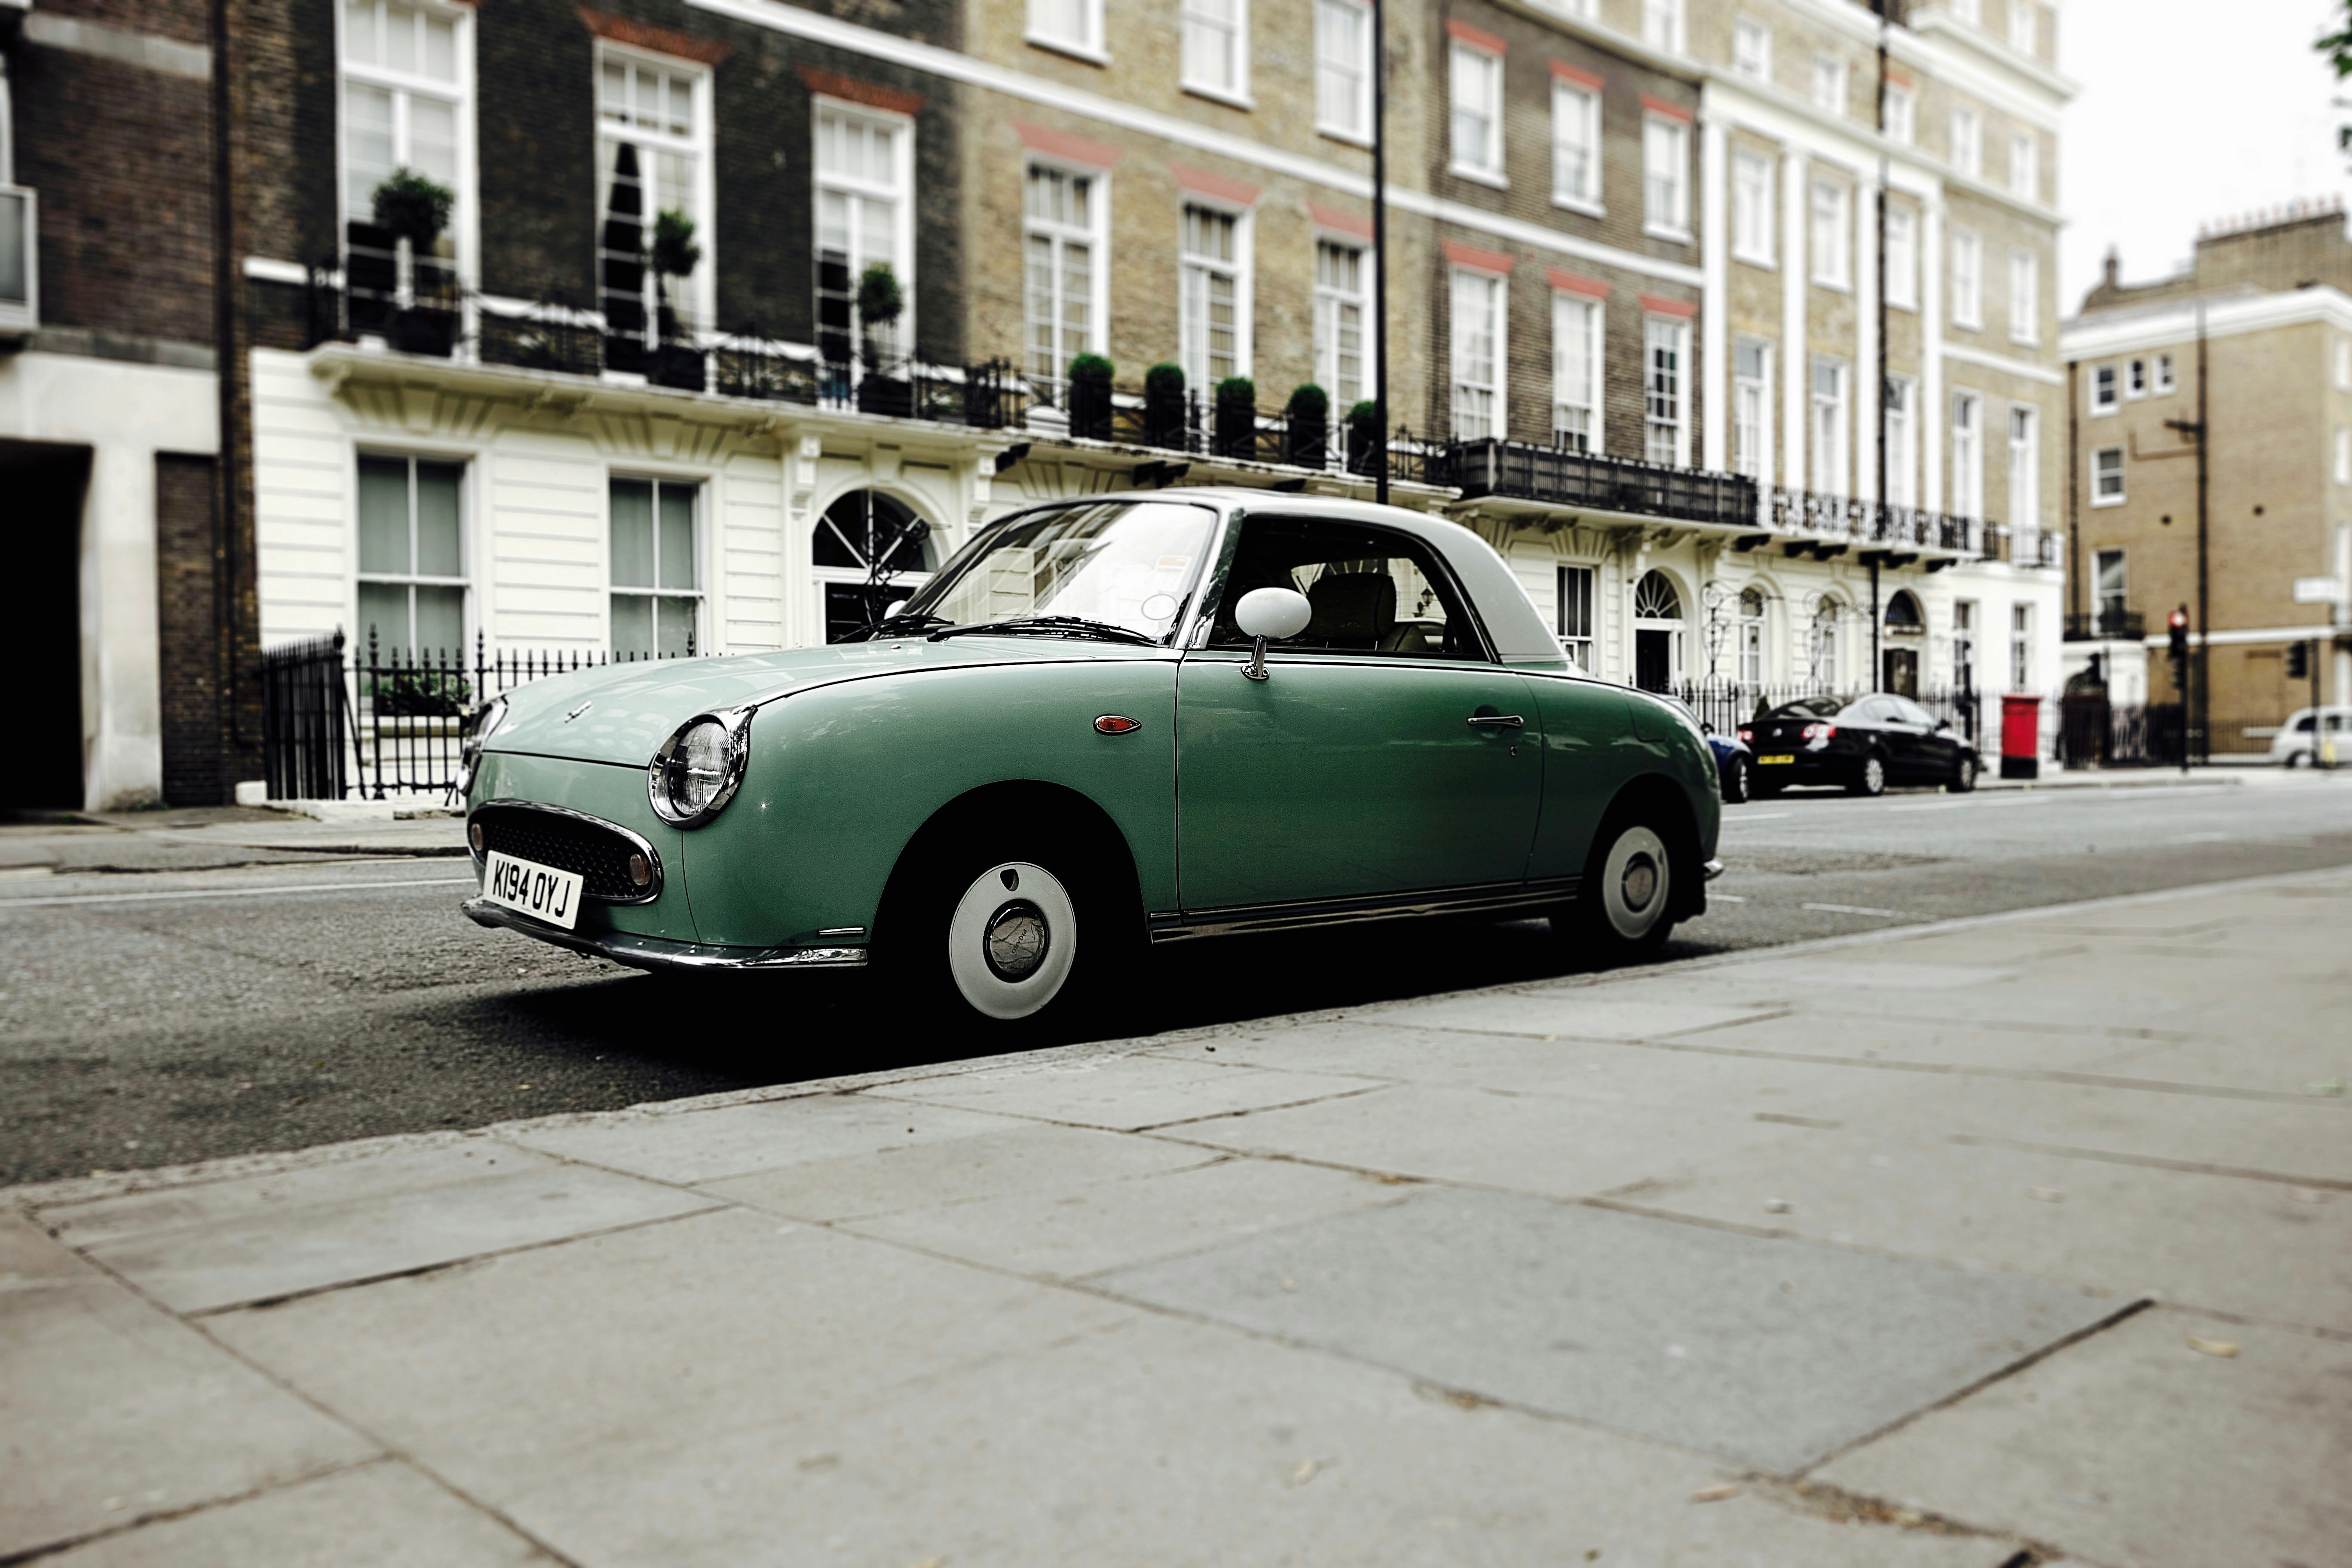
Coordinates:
1525 471
1882 524
2117 624
20 251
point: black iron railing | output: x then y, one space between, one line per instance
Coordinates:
2127 626
1726 705
1881 524
380 723
1524 470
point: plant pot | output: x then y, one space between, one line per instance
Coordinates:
1236 428
679 367
886 394
1163 418
1307 442
1090 410
1363 446
425 330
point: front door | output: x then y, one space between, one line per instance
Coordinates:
1902 672
1378 756
1654 659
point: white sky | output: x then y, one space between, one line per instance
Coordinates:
2191 110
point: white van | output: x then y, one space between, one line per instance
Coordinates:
2298 740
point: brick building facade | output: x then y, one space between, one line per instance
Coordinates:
2263 313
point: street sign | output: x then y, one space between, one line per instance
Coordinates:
2319 590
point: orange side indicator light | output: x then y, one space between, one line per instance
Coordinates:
1117 725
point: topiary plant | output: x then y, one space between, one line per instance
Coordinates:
1308 436
412 207
1091 368
1364 440
1163 405
1237 417
1090 397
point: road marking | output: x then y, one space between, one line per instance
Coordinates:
1851 909
1762 815
231 892
1728 897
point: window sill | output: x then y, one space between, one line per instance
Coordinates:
1350 138
1482 176
2110 500
2019 343
2109 412
1220 95
1834 285
1910 305
1074 49
1667 232
1960 326
1579 204
1749 258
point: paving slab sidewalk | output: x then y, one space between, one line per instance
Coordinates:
2012 1240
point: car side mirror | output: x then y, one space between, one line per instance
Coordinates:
1705 728
1270 613
1942 724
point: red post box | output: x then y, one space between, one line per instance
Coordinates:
2020 736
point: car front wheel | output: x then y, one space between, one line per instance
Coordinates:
1735 788
1964 774
1626 906
1871 778
999 937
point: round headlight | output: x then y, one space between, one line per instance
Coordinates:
694 774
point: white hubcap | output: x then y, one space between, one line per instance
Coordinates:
1013 938
1636 883
1874 775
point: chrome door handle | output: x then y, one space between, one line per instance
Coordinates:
1496 720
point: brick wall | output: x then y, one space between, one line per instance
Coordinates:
188 609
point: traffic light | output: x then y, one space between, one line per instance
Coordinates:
2298 661
2177 623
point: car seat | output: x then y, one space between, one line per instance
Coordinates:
1352 610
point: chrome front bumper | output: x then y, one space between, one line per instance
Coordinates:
655 952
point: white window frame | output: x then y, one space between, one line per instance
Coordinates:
2343 459
1340 78
1751 410
1666 391
1968 141
2135 378
698 595
464 234
2164 382
900 192
1969 11
2024 298
2021 647
1188 265
1576 122
1666 171
1751 48
1901 115
1484 163
2024 467
2101 594
2107 476
1088 45
1967 453
1663 25
1195 17
1095 234
2342 363
2024 26
1964 644
411 579
1754 198
1830 83
2105 385
1967 280
1902 439
1828 240
1461 349
1568 308
701 146
2025 165
1749 651
1829 444
1902 259
1577 586
1331 300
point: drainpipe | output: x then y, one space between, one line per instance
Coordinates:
1877 658
1380 247
2204 612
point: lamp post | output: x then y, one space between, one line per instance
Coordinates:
1380 254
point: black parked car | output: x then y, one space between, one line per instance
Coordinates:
1864 743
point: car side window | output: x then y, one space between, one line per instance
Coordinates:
1912 714
1869 711
1374 591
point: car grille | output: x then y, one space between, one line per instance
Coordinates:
598 855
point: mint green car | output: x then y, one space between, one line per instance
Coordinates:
1103 725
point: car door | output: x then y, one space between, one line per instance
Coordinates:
1384 754
1897 742
1935 753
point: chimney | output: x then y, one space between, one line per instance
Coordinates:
2109 268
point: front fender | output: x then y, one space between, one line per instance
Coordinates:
841 777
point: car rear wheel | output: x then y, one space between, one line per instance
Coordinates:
1964 774
1626 906
1871 777
1736 785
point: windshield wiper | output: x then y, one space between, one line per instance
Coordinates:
899 624
1053 625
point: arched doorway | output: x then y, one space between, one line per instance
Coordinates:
1657 632
1907 629
858 529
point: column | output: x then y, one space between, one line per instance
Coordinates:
1794 358
1933 417
1715 301
1867 429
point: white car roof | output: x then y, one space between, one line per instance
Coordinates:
1511 618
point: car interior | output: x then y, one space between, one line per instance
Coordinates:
1372 591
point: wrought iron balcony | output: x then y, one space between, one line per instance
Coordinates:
1879 525
2114 623
20 251
1522 470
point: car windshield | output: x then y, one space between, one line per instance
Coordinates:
1125 564
1809 707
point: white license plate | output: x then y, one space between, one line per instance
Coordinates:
541 892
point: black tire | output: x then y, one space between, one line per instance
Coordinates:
1964 774
1738 788
1640 862
1869 778
1006 938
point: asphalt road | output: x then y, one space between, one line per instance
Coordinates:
154 1017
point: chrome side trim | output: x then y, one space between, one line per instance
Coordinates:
654 952
1249 919
636 841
